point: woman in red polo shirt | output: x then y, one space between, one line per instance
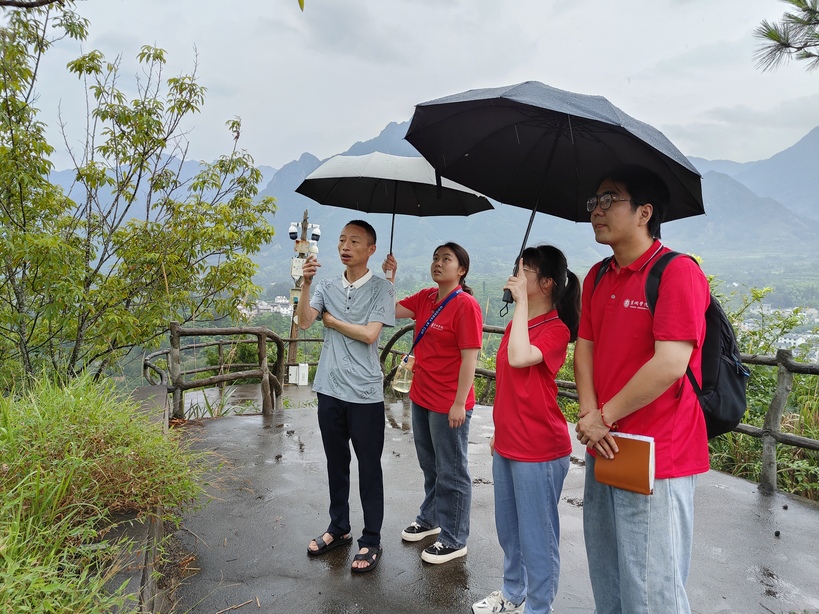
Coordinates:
531 445
442 399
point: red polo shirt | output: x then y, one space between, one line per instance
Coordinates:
529 425
616 318
459 326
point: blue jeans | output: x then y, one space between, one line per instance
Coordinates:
442 454
526 498
362 424
638 546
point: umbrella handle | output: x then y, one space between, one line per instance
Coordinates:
507 297
507 294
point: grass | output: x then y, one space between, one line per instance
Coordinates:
221 405
797 468
73 458
287 403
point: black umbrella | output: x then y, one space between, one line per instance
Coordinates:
382 183
545 149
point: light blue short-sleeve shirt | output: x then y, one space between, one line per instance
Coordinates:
349 369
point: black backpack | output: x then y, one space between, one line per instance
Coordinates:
724 377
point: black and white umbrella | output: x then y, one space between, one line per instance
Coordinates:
382 183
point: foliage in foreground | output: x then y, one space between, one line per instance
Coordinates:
797 468
795 36
73 458
741 455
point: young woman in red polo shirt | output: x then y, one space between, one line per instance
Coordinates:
531 444
442 399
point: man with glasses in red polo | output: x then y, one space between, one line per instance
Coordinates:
630 369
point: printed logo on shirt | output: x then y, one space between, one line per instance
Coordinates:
632 304
436 326
332 377
368 393
347 364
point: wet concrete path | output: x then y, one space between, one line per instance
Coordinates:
270 498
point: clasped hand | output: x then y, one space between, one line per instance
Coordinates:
592 433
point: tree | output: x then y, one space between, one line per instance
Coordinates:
795 36
86 279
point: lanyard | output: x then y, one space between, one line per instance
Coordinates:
431 318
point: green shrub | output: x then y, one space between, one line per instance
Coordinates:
72 458
741 455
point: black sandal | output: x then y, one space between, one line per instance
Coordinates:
338 540
372 556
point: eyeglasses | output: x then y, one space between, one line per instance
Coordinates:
604 200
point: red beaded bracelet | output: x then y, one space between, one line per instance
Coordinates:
611 427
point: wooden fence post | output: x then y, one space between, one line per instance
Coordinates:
175 370
221 363
267 398
773 421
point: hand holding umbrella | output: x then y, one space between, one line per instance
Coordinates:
390 267
517 284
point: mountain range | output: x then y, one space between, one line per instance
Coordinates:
761 224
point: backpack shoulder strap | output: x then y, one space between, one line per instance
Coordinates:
604 266
654 276
652 290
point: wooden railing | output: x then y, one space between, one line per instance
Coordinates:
269 373
771 433
177 381
272 375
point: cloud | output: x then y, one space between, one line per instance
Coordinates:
742 133
340 71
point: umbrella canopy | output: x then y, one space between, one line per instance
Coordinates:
546 149
382 183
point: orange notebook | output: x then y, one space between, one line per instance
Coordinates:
632 468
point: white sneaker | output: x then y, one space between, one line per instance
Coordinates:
496 603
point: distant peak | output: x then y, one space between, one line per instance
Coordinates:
307 157
389 141
394 127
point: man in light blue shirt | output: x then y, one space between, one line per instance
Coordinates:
349 387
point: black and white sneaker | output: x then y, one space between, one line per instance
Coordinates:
415 532
438 553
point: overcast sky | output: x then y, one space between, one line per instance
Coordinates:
339 72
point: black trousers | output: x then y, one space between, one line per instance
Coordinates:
363 425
